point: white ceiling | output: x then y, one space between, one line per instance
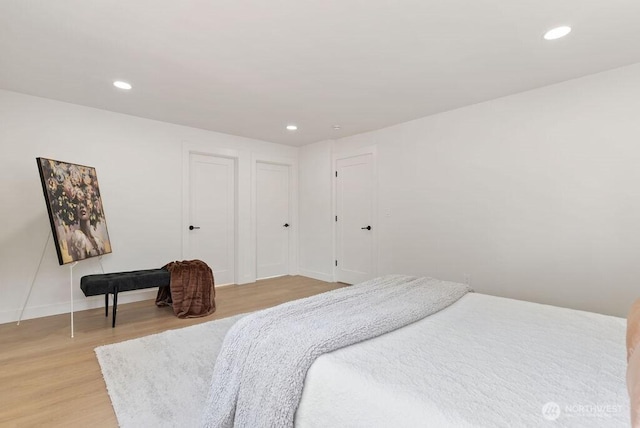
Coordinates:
250 67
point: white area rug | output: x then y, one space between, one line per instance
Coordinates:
162 380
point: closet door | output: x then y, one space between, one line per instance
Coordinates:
211 230
273 223
355 229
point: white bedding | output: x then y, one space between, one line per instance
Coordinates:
260 370
485 362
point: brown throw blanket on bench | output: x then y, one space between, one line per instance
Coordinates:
191 291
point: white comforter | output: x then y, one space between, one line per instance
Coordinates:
484 362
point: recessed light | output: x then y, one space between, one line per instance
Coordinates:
336 127
557 32
122 85
292 127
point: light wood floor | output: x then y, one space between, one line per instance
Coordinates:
48 379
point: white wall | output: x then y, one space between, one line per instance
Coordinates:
139 166
536 195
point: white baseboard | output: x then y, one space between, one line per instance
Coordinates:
78 305
316 275
92 302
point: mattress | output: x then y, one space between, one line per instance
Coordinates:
484 361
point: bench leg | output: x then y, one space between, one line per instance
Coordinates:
115 307
106 304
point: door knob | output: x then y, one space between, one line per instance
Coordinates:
194 227
286 225
368 228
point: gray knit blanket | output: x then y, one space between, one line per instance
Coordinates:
260 371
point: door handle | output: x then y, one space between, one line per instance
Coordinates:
285 225
194 227
368 228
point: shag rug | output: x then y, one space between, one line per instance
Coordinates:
162 380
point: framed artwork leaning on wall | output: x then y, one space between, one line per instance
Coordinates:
75 210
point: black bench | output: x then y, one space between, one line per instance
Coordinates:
117 282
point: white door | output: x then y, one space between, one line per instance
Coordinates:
354 219
272 220
211 234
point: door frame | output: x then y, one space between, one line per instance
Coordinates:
335 157
206 150
292 163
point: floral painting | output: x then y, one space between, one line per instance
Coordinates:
75 210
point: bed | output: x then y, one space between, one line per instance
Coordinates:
482 362
478 360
